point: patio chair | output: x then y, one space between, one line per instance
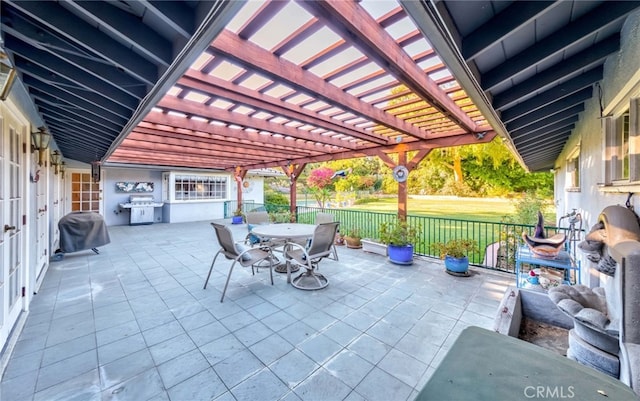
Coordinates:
237 253
253 219
328 218
309 257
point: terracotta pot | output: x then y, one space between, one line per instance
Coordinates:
353 242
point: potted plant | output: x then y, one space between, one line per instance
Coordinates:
454 252
400 238
237 217
352 238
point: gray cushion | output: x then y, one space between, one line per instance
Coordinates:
241 248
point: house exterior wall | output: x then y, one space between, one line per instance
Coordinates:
114 215
621 83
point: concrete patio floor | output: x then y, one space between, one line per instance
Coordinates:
133 323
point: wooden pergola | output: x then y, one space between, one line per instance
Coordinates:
290 83
337 83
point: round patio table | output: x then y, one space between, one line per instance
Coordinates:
289 232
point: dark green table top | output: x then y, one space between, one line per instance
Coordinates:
484 365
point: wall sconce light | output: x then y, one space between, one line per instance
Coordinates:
55 161
40 142
7 75
95 171
63 168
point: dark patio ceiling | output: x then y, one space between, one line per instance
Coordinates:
534 62
220 84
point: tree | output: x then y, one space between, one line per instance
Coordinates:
319 181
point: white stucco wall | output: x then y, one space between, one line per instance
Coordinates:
619 71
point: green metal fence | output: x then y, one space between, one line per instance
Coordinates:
497 242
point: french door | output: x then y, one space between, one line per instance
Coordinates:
86 195
12 200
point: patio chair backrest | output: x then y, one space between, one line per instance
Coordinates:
225 239
322 240
257 217
324 218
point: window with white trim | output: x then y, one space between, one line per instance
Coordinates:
622 146
196 187
573 170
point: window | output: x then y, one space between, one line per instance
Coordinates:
622 146
189 187
621 153
195 187
573 170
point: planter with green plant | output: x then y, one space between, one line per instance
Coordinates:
237 217
352 238
454 252
400 238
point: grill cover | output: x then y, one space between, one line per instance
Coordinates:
82 230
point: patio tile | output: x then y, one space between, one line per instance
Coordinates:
148 321
238 320
278 320
381 386
387 332
121 348
417 347
342 333
263 310
297 332
221 349
321 386
360 320
271 348
19 365
162 333
369 348
203 386
116 333
182 367
171 348
84 387
144 386
197 320
238 367
122 369
134 323
403 367
319 348
348 367
66 369
319 320
208 333
262 386
293 368
253 333
19 387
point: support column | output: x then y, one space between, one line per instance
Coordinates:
293 171
402 188
239 174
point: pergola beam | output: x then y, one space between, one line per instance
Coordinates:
352 21
253 57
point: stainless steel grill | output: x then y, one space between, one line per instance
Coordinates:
141 208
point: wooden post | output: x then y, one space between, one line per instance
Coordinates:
239 175
402 188
293 172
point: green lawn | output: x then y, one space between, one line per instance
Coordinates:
478 209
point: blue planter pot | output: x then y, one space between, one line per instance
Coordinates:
236 220
456 265
400 255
